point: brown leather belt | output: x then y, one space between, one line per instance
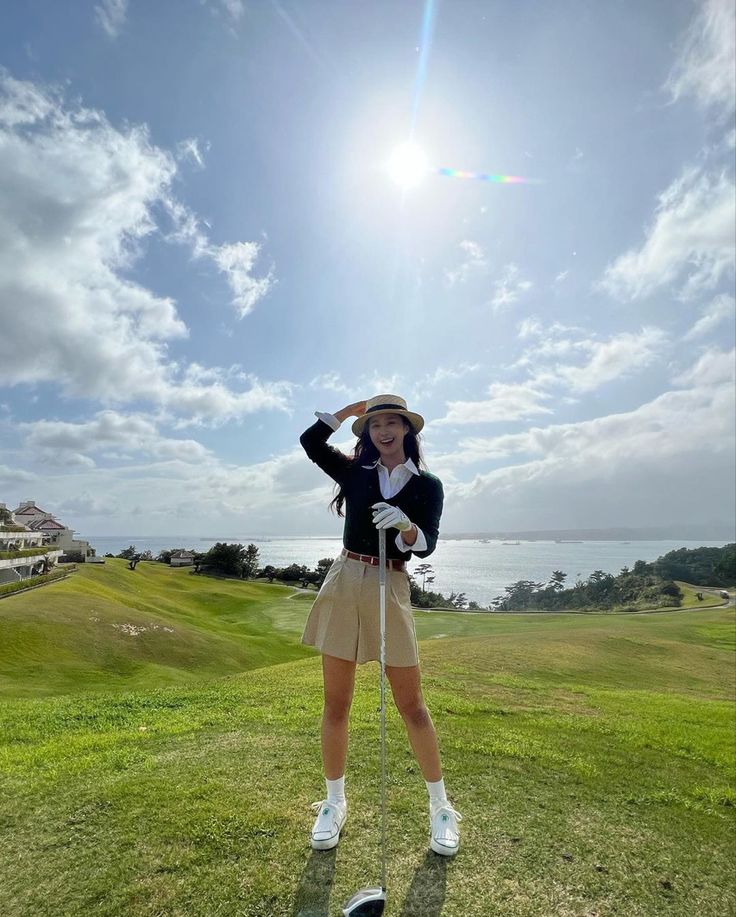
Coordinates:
373 561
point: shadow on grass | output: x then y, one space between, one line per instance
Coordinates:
315 885
426 893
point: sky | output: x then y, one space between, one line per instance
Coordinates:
201 245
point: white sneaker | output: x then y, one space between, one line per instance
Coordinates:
444 835
330 819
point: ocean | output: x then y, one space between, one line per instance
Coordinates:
480 569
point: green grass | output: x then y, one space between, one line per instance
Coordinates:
690 596
592 759
111 627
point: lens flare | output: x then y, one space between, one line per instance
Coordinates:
486 176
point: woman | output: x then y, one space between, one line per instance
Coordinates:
383 485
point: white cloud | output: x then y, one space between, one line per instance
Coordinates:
234 8
237 260
604 360
532 326
10 476
721 309
509 288
561 276
446 373
504 402
77 203
108 430
367 385
379 384
23 103
330 382
714 367
215 403
189 150
629 468
110 14
474 262
87 505
705 66
619 356
634 468
691 238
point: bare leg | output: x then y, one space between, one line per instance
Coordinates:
339 683
406 687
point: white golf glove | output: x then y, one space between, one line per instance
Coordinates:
386 516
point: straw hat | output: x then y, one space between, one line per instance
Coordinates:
387 404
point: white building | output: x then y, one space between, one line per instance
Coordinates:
53 532
30 553
182 558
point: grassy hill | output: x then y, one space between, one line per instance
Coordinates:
108 626
592 759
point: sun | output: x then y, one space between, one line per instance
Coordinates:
407 165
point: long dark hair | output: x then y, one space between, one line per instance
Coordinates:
365 453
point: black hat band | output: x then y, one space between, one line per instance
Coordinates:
382 407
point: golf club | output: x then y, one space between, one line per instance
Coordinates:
370 902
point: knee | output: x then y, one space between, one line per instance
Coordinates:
416 714
336 711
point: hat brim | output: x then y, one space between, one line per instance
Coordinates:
417 421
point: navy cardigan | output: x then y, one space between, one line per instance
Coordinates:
421 498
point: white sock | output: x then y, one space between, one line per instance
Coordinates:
436 792
336 790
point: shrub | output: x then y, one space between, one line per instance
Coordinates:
20 585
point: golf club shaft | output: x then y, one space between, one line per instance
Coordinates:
382 594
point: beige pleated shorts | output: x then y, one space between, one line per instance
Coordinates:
345 618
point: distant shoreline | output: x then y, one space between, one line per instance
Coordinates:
560 537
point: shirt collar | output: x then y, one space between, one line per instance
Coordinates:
408 464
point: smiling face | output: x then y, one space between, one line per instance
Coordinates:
387 435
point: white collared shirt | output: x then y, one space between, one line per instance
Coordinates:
391 482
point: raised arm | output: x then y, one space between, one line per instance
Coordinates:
314 441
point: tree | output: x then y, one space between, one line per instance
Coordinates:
557 580
323 568
226 559
725 568
294 573
5 516
424 570
250 562
164 557
269 572
128 553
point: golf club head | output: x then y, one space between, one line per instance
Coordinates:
368 902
